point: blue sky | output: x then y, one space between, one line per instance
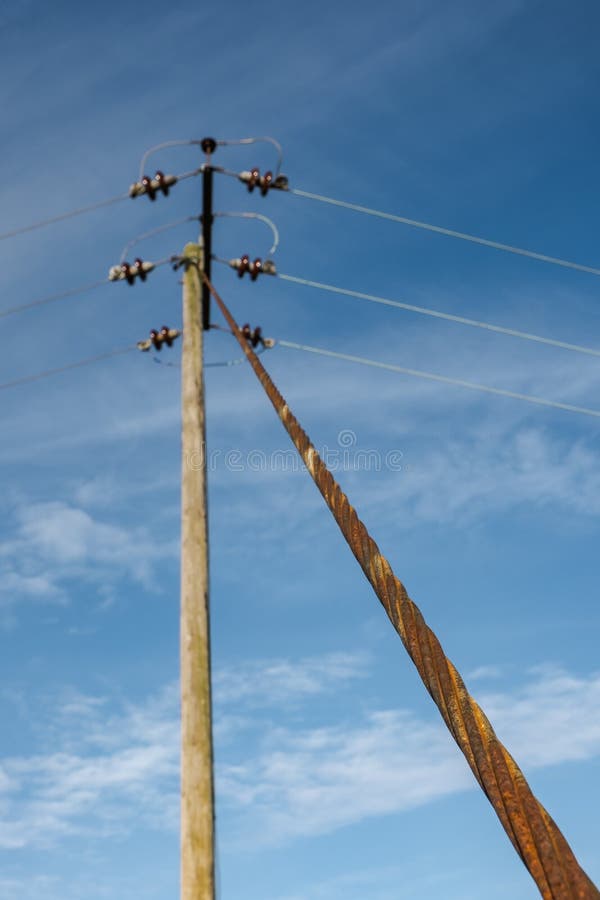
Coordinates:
335 776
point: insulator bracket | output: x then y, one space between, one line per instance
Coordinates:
254 267
126 272
254 336
152 186
265 183
166 336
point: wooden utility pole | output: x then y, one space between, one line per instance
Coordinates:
197 786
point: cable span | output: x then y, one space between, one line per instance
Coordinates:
83 209
448 232
256 140
153 231
156 147
12 310
436 314
62 217
191 174
533 833
38 376
253 215
211 365
224 143
430 376
76 365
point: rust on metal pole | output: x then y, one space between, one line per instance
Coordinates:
534 835
197 790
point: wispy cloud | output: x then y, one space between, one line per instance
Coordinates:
55 542
381 882
478 473
99 779
30 887
484 672
553 718
109 768
314 780
268 682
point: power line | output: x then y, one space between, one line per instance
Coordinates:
444 379
12 310
76 365
448 232
428 226
38 376
156 147
158 230
252 215
210 365
533 833
369 297
224 143
256 140
449 317
42 223
63 216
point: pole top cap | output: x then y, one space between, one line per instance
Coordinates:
208 144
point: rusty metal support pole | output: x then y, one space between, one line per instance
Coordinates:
534 835
197 787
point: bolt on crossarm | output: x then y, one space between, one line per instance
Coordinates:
197 786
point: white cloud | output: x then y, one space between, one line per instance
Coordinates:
39 586
465 455
484 672
268 682
318 780
554 718
5 781
55 542
80 706
275 783
315 780
384 883
30 887
109 491
100 779
504 455
482 473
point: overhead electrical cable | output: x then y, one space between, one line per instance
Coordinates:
533 833
47 373
72 213
62 217
153 231
448 232
12 310
164 145
52 298
444 379
252 215
222 143
256 140
209 365
437 314
429 226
